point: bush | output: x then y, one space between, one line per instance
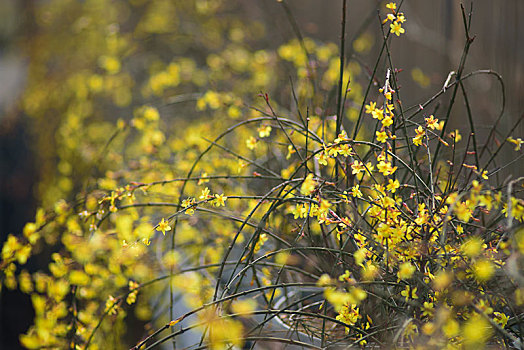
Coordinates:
321 213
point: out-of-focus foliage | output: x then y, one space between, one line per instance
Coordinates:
179 160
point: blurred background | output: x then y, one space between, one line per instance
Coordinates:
427 53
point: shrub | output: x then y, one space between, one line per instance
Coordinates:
329 215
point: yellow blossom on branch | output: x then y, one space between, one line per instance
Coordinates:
409 293
396 28
349 314
387 121
251 143
393 185
483 270
427 309
163 226
517 142
370 108
205 194
355 191
406 271
188 203
322 158
308 186
385 168
290 151
264 131
220 200
357 167
111 305
432 123
392 6
378 113
203 179
382 136
455 135
417 140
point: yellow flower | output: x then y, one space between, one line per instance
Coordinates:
385 168
462 211
396 28
322 158
131 297
346 276
442 280
324 281
357 167
378 113
251 143
417 140
355 191
205 194
234 112
432 122
472 247
264 131
517 142
391 6
308 185
455 135
476 331
483 270
369 271
390 107
110 63
409 293
427 309
203 179
188 203
360 256
290 151
111 305
150 113
244 307
220 200
405 271
341 137
349 314
241 165
163 226
501 319
393 185
381 136
370 108
451 328
387 121
428 328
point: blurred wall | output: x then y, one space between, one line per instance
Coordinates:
17 163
